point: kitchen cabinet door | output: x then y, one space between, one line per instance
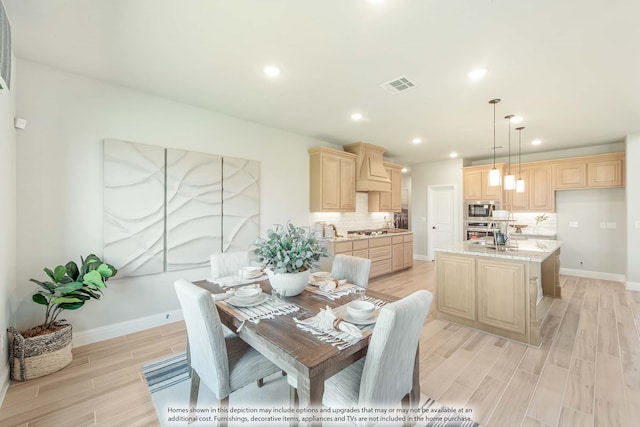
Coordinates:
520 201
407 253
456 285
570 175
397 257
502 297
331 180
605 173
472 183
541 194
476 183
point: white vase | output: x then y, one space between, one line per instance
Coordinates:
291 283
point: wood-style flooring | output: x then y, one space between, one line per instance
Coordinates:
587 372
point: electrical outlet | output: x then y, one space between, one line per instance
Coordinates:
573 224
603 225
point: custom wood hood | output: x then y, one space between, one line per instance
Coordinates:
371 174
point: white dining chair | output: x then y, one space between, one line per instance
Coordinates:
354 269
228 263
385 376
223 363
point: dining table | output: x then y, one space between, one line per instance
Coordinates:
296 351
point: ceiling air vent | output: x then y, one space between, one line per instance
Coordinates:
398 85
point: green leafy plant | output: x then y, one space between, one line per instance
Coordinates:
70 287
541 218
289 249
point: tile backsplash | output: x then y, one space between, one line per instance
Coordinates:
359 220
547 227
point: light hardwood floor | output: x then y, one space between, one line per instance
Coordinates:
587 372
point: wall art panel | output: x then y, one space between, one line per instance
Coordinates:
240 203
134 207
194 208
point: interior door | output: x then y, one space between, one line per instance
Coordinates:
440 212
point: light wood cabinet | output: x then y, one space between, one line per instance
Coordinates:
605 173
387 253
476 183
570 175
502 297
456 285
538 195
597 171
331 181
388 201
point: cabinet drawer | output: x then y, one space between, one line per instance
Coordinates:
342 247
396 239
407 238
379 241
378 268
362 253
360 244
377 254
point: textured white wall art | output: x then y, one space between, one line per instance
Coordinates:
134 207
240 203
194 208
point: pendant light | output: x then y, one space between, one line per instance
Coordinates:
509 180
520 181
494 174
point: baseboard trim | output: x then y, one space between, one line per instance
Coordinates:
633 286
115 330
615 277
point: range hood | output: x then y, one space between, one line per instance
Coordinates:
371 175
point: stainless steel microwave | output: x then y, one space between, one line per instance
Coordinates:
479 209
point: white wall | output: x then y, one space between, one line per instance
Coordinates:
7 224
633 211
423 175
600 250
59 180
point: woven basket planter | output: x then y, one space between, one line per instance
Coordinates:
41 355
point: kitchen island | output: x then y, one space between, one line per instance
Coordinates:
497 290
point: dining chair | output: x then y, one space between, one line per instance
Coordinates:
228 263
385 376
223 363
352 268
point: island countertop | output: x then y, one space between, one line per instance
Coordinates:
534 250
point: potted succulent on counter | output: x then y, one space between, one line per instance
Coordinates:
288 254
46 348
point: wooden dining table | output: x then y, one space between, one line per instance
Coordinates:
298 352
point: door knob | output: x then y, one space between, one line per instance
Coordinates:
433 227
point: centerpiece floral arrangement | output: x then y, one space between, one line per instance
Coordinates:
289 249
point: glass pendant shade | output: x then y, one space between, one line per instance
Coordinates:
494 177
509 182
520 186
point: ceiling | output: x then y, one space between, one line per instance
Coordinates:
571 69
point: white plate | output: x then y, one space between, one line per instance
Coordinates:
262 298
347 317
317 283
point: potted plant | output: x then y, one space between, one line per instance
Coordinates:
288 254
46 348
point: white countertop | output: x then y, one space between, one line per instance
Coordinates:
535 250
358 237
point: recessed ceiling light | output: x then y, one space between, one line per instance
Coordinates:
416 140
477 74
516 119
536 142
404 170
272 71
453 155
376 1
356 116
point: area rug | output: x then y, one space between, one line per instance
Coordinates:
169 385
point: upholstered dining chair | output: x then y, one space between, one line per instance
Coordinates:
354 269
228 263
385 376
223 363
